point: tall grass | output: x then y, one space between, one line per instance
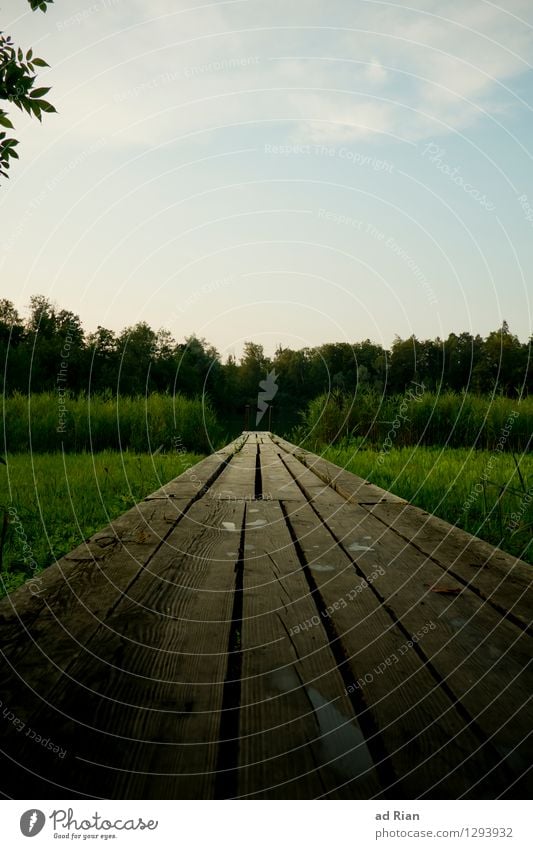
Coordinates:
42 423
417 418
52 502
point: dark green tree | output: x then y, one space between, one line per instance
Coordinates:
11 326
503 366
11 349
136 349
462 353
404 364
198 369
55 347
254 366
102 361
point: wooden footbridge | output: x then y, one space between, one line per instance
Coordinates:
268 625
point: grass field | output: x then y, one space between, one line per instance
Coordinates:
49 503
456 484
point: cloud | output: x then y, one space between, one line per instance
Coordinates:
145 72
440 69
374 72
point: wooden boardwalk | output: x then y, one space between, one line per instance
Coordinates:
270 626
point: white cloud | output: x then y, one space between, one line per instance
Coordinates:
375 72
144 72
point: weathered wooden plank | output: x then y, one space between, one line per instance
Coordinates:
237 481
314 486
350 486
42 633
482 659
492 573
430 746
276 482
88 580
298 734
139 707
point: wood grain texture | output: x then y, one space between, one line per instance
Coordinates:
427 741
505 581
138 707
350 486
277 483
237 480
298 734
483 659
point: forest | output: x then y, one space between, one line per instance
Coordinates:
50 351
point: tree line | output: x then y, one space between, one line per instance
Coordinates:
50 351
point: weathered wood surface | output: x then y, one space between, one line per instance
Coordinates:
268 625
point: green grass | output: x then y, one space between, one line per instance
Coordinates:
53 501
46 422
418 417
449 483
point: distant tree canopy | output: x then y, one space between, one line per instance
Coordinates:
50 350
17 86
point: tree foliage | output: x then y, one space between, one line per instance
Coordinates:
17 86
50 349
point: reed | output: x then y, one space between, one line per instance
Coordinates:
45 423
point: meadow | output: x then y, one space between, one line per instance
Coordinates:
50 503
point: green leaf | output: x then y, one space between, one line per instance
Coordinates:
41 63
40 4
39 92
35 108
45 106
5 122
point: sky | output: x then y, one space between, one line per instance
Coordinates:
288 173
